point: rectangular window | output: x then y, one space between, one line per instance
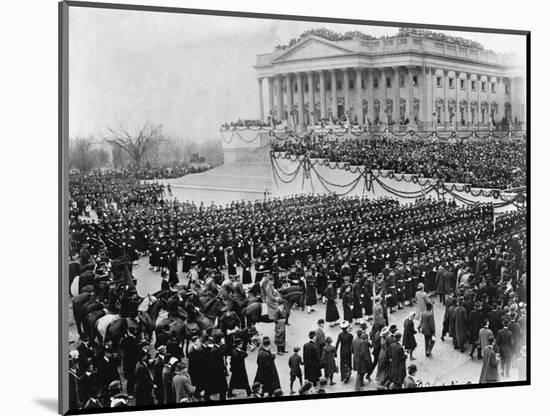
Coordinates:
462 84
473 85
306 87
375 82
507 89
295 87
451 83
401 82
351 84
492 87
328 86
415 80
362 83
438 81
483 86
338 85
388 82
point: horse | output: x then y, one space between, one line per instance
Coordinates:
74 270
293 297
79 310
143 319
212 307
252 313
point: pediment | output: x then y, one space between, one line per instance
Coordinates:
312 47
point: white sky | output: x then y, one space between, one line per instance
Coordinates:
189 73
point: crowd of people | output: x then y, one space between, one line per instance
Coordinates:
483 163
244 122
225 268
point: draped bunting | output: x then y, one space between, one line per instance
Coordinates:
285 134
375 176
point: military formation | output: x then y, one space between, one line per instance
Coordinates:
225 268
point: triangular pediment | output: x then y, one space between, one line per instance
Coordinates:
312 47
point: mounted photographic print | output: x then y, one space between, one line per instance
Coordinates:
267 208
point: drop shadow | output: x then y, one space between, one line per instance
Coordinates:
48 404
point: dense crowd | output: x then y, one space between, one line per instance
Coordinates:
225 268
245 123
488 163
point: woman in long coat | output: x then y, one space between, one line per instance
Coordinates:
344 341
357 312
347 301
328 360
383 357
409 342
311 291
332 314
246 264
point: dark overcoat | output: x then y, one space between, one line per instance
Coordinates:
312 362
398 359
409 342
239 376
266 373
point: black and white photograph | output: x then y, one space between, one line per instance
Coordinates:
276 207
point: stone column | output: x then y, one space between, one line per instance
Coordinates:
428 97
300 99
334 103
500 98
513 101
457 103
370 96
346 90
359 100
396 96
280 104
261 98
271 97
322 92
410 98
383 96
468 111
289 103
478 90
445 105
311 97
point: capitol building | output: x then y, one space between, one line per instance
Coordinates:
407 81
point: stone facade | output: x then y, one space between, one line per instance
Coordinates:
389 81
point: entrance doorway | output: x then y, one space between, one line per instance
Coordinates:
341 111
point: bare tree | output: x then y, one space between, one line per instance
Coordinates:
136 145
83 155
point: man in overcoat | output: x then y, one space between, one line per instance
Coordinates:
266 373
312 360
427 328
